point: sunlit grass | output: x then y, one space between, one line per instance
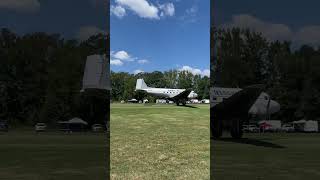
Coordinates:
159 142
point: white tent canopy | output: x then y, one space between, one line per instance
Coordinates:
74 121
300 121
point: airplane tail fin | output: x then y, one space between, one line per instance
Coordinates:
141 85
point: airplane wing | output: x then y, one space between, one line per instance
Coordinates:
238 104
184 95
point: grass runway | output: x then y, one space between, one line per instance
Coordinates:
277 156
52 156
159 142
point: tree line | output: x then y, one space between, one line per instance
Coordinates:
241 57
41 74
41 77
124 83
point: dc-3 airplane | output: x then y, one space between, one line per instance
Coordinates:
179 96
230 107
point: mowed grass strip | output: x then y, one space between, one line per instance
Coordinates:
52 156
159 142
277 156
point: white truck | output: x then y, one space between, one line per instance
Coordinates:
306 125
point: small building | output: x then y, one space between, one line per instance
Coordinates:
306 126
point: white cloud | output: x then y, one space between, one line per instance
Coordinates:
137 71
142 8
118 11
308 35
85 32
143 61
271 31
116 62
190 15
167 9
20 5
191 70
122 55
126 58
195 71
206 72
192 10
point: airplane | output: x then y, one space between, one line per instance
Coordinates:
96 73
179 96
230 107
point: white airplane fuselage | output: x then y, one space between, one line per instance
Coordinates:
163 92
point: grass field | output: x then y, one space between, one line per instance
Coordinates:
267 156
159 142
52 156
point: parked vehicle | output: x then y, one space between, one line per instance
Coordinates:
287 128
4 126
250 128
97 128
145 101
40 127
205 101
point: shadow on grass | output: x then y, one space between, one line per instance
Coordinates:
249 141
185 106
189 106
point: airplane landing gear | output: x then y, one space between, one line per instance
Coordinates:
236 128
182 102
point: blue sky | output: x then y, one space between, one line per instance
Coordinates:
294 20
149 35
72 19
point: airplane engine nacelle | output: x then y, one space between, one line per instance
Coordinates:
192 95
